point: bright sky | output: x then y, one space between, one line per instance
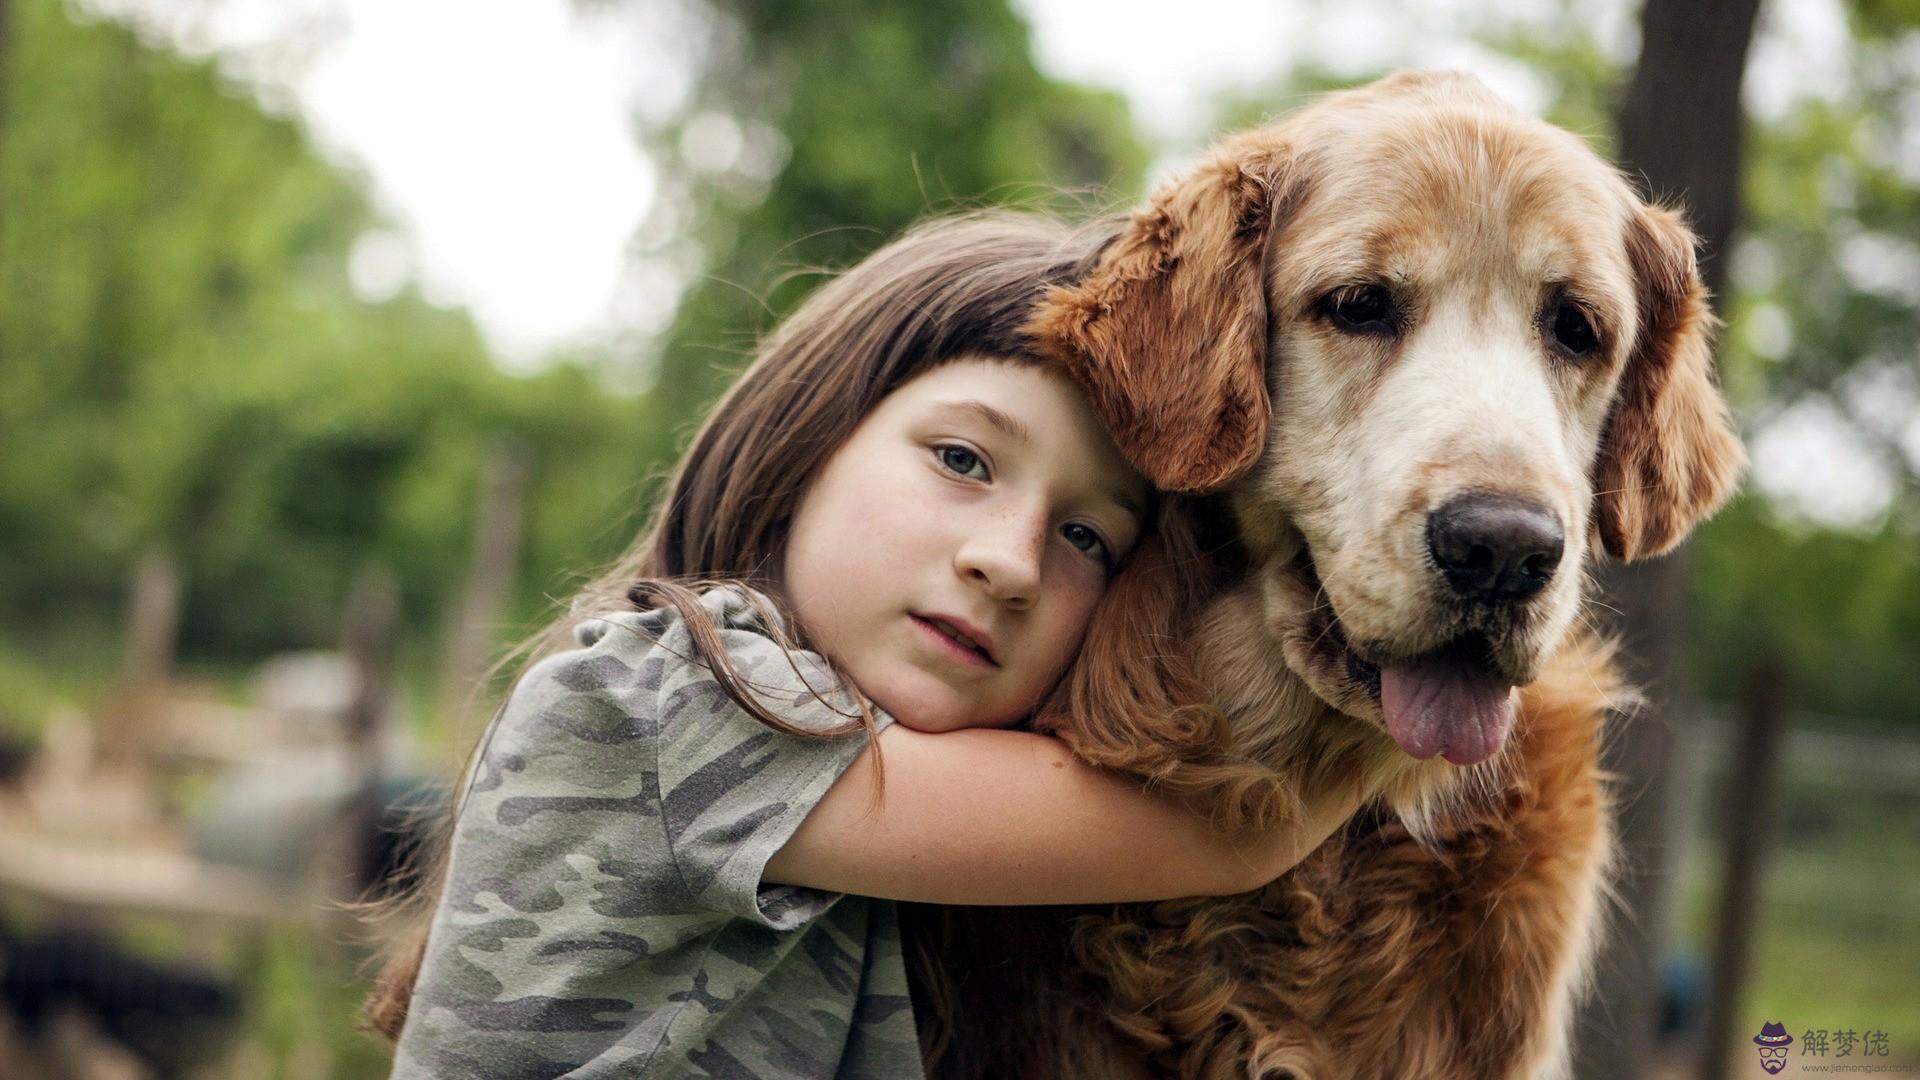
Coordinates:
499 138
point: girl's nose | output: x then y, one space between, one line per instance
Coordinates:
1004 556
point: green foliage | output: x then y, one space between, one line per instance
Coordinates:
886 113
186 365
1883 21
302 1014
1820 199
1842 607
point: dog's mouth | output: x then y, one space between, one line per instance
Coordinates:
1451 701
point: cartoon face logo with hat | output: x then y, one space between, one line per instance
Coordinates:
1772 1041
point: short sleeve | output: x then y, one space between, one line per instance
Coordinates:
733 790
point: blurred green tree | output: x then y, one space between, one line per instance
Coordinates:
184 362
816 130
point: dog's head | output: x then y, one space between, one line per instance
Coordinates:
1435 350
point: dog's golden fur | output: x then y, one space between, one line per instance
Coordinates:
1445 931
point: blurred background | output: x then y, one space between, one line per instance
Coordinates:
340 340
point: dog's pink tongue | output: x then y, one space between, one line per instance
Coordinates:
1446 709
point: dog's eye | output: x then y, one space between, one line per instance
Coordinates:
1363 309
1572 330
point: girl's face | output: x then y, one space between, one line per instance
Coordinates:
983 501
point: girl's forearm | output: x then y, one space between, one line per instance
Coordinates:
1000 817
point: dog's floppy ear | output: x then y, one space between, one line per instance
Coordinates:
1167 333
1133 701
1669 456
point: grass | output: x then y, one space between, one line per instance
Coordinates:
1838 936
305 1011
62 671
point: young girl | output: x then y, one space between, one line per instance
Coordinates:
680 842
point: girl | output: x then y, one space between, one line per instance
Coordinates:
891 535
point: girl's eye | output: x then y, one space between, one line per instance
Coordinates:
959 459
1086 540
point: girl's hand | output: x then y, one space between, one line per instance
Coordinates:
1010 817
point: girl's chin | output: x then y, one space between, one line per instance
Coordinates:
936 719
934 708
933 728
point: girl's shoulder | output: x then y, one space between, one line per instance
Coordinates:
635 673
728 606
636 721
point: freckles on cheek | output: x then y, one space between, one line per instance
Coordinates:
1077 599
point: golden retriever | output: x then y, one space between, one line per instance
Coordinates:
1433 353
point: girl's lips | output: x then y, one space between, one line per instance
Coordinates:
949 646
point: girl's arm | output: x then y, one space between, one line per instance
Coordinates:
1009 817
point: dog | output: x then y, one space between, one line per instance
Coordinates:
1419 358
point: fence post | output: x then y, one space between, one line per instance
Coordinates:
146 658
367 638
496 547
1749 804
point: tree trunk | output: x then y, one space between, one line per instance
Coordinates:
1681 131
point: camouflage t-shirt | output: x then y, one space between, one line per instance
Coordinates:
604 914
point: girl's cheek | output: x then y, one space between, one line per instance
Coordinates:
1082 583
1082 580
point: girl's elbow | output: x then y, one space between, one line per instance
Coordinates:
1245 873
1244 879
1225 877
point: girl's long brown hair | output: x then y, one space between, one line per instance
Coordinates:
947 289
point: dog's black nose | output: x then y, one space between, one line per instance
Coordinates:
1495 548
